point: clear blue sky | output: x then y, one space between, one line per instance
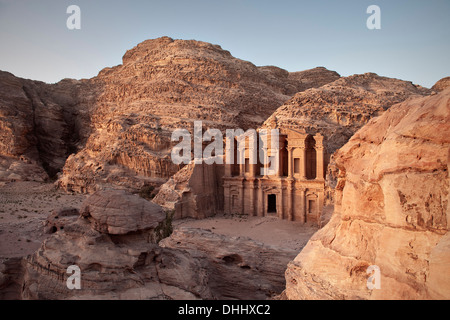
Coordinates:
413 43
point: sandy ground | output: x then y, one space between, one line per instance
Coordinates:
268 230
24 207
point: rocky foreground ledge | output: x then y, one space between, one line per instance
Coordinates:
392 210
115 240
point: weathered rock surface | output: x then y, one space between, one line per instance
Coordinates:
118 212
338 109
391 210
441 85
126 262
40 125
121 261
195 191
11 278
166 84
115 128
239 268
313 78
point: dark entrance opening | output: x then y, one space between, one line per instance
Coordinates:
271 203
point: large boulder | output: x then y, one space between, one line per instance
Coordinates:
119 212
441 85
392 211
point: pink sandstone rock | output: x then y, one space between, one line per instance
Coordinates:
391 210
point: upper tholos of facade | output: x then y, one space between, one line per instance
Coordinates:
287 154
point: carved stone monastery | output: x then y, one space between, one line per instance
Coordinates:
294 192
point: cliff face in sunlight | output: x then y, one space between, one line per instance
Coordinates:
391 210
115 128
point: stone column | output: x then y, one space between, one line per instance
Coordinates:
290 163
280 203
229 157
226 197
253 167
302 205
303 163
260 200
319 163
280 163
266 161
252 209
320 200
319 156
242 168
241 191
290 199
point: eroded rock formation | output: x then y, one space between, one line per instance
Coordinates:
166 84
441 85
196 191
40 125
391 210
115 128
338 109
238 267
115 241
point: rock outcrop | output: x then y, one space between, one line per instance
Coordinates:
195 191
116 212
338 109
166 84
114 243
313 78
391 210
238 267
41 125
441 85
120 244
115 128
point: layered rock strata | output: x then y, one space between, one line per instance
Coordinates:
196 191
391 211
115 240
115 128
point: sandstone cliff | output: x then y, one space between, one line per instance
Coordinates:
195 191
391 210
115 241
166 84
115 128
338 109
40 125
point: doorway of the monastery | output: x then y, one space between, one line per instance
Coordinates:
311 211
271 203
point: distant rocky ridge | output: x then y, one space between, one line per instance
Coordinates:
391 210
338 109
41 125
114 129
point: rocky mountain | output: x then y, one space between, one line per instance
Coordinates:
338 109
115 128
41 125
120 256
391 211
441 85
